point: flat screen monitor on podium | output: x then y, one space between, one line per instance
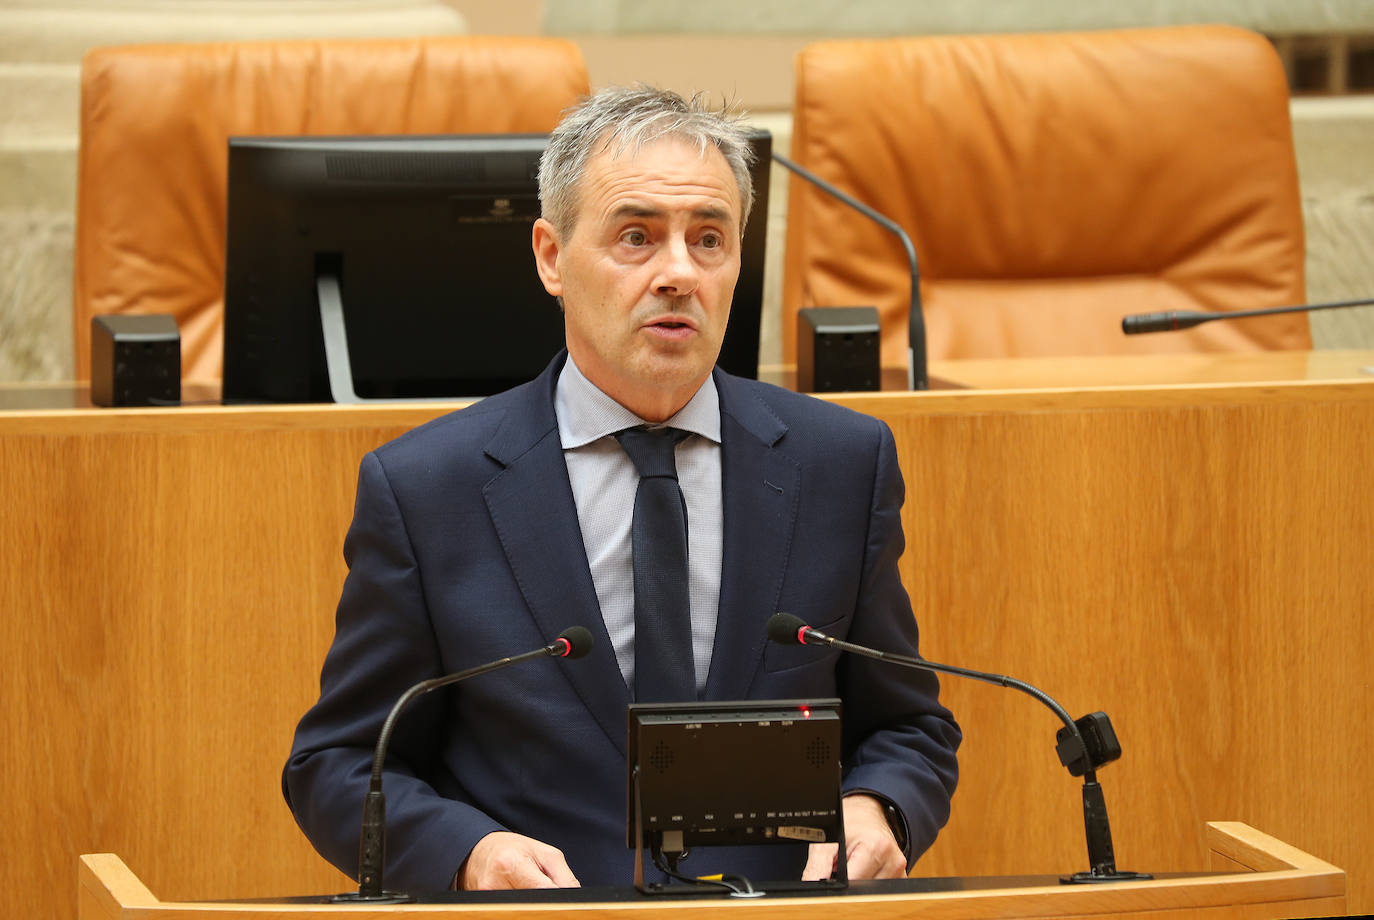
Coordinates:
733 773
421 247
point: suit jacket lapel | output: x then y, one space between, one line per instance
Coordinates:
760 487
531 506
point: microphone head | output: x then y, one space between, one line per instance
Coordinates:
786 629
577 640
1168 321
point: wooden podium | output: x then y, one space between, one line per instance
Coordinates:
1253 876
1182 543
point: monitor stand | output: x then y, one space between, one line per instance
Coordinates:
839 883
336 350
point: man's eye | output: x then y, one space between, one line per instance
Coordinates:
711 241
635 237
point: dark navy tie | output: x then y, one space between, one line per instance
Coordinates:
658 542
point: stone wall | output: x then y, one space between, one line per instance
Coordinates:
41 45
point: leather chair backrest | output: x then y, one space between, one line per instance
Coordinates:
155 123
1051 184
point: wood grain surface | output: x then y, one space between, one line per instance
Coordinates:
1197 560
1201 569
1293 884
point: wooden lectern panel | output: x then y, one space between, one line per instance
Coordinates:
1194 559
1290 884
169 586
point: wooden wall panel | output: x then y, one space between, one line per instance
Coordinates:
168 597
1201 570
1197 561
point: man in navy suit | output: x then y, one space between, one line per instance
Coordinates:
489 531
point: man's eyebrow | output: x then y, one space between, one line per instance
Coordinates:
649 212
635 210
722 215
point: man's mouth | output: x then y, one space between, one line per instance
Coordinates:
671 329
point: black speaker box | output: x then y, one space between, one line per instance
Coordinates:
838 349
135 360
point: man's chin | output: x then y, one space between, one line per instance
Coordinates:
673 377
676 366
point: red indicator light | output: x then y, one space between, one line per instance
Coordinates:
806 712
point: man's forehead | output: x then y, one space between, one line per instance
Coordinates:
615 145
678 161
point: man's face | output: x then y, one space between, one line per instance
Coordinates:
647 274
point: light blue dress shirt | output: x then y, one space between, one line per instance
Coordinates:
603 486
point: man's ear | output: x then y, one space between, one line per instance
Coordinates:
544 241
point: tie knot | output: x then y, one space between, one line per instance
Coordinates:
651 449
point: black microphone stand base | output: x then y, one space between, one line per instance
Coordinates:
1093 878
386 897
1098 830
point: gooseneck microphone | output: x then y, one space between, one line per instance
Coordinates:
917 377
1170 320
1082 746
573 642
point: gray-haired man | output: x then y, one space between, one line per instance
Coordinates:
492 529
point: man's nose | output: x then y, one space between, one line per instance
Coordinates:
678 273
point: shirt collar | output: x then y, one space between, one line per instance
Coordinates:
585 413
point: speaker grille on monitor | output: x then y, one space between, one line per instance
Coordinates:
426 167
818 753
408 167
661 757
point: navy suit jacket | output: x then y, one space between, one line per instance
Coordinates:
465 548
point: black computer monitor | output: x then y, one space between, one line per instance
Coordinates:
418 250
733 773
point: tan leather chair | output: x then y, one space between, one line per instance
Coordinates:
155 120
1051 183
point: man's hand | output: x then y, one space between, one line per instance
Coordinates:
873 851
505 860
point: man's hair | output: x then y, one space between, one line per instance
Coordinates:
626 118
